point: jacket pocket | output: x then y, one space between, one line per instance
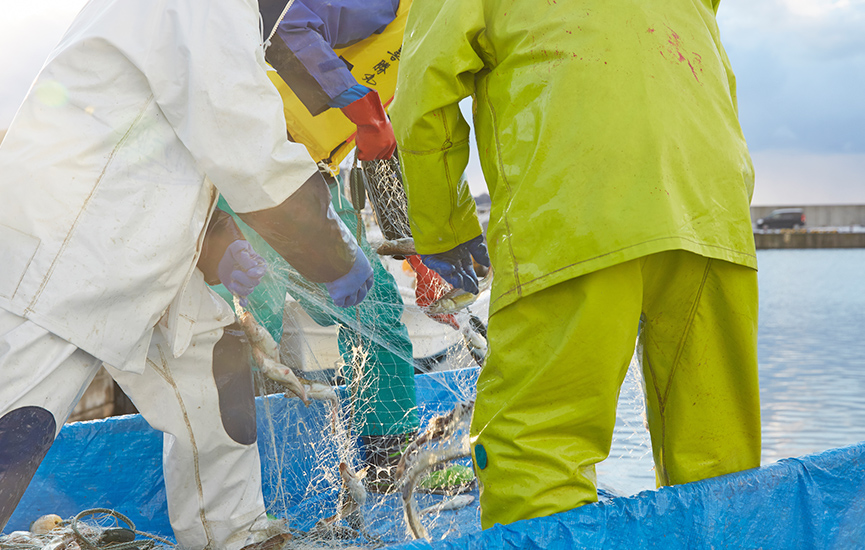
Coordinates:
16 251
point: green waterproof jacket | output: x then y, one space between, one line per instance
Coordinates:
607 130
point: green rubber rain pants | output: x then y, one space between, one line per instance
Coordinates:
373 342
547 395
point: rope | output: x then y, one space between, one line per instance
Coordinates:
134 544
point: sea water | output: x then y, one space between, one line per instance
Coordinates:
811 354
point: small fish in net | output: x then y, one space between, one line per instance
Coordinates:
456 299
451 431
455 503
382 181
396 248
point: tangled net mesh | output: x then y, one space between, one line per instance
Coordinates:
306 493
383 216
97 528
361 350
383 185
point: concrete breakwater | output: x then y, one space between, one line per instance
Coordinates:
804 238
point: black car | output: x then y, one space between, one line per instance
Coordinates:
783 218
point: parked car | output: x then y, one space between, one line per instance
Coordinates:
783 218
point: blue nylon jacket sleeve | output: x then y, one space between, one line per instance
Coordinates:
349 96
311 29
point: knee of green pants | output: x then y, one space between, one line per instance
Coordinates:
525 472
520 481
546 404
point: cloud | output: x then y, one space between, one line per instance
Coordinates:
796 178
800 67
817 8
28 33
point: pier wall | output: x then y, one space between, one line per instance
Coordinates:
826 226
808 239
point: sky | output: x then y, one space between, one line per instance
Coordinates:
800 67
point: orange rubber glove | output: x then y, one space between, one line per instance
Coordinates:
375 139
430 287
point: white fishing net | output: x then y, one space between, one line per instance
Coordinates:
383 185
91 529
313 455
629 468
315 490
373 352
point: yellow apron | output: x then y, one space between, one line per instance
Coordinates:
329 136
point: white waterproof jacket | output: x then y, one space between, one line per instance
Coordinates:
145 111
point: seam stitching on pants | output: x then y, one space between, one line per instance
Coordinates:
662 472
201 512
687 330
662 400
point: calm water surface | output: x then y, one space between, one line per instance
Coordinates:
812 365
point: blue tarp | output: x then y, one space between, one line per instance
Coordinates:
116 463
812 502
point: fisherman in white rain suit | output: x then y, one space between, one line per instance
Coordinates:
143 114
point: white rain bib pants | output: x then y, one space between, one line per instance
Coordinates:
213 483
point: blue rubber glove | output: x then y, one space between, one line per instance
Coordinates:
350 289
455 265
241 269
